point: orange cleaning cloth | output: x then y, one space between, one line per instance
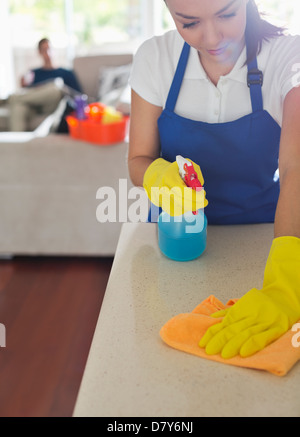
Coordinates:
184 331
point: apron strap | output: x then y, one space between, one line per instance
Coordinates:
178 77
254 82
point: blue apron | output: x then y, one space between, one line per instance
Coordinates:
238 159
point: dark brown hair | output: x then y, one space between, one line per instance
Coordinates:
41 42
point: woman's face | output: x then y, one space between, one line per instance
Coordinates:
215 28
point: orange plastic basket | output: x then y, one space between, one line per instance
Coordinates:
94 131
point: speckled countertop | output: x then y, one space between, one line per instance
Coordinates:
130 372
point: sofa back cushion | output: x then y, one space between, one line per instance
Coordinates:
88 70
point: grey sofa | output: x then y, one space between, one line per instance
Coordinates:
49 181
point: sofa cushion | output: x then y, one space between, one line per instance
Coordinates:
113 78
88 69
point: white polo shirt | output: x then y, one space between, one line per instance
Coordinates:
199 99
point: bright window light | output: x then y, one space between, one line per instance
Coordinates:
284 13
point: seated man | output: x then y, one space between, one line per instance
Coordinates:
42 90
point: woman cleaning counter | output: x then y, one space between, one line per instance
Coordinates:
222 90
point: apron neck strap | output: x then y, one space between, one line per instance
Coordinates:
254 82
178 77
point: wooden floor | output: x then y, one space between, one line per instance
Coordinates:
49 307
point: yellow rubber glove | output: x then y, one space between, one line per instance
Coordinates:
261 316
165 188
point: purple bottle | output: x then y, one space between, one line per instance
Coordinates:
80 104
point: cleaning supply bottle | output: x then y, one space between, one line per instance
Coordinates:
183 238
80 105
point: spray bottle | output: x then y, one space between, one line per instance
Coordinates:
183 238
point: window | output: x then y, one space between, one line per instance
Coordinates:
33 19
284 13
100 23
91 24
74 27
